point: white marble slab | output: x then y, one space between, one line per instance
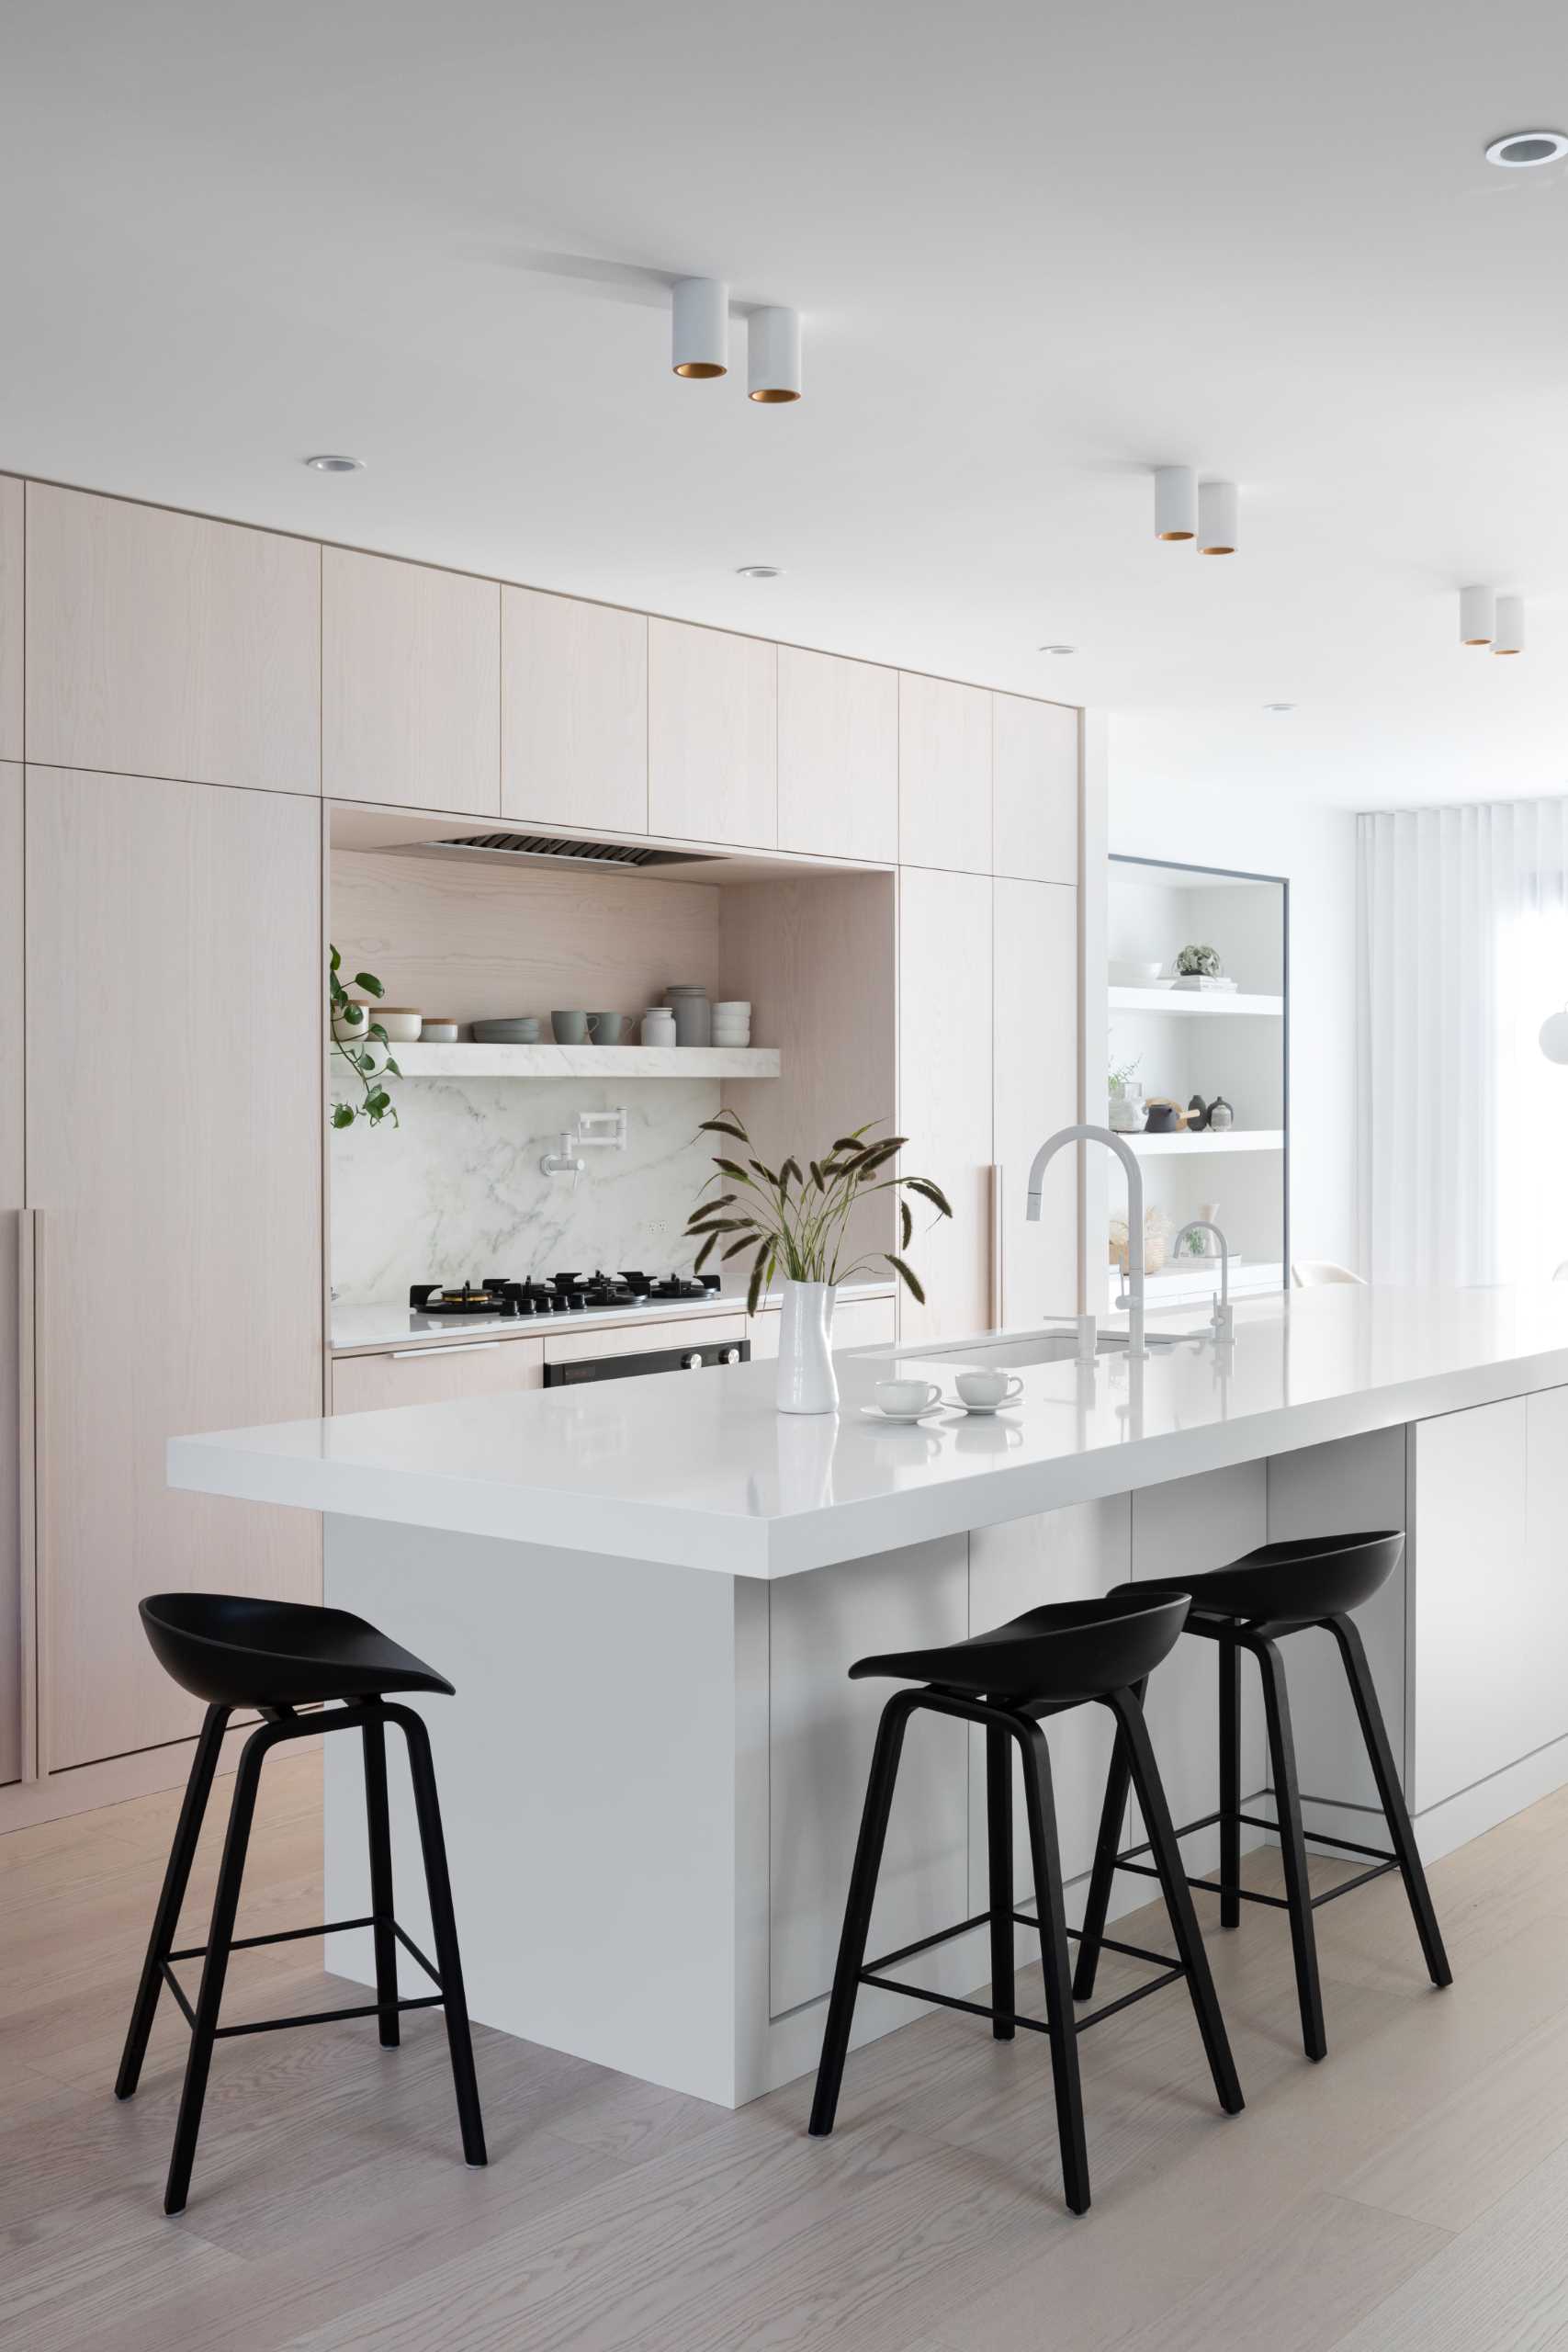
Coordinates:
703 1472
587 1061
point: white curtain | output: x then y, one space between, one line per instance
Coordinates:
1462 1124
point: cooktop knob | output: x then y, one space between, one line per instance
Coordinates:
693 1363
732 1355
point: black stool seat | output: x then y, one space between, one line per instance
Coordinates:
1280 1589
1064 1655
275 1657
1281 1586
235 1652
1059 1656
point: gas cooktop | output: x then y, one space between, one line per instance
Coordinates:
560 1293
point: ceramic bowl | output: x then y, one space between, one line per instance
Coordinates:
401 1024
438 1030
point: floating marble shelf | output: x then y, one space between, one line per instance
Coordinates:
587 1061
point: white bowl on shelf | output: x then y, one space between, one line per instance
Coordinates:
1127 975
401 1024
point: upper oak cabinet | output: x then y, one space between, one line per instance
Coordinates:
165 645
944 775
14 1238
573 712
11 500
838 756
410 685
1036 789
712 736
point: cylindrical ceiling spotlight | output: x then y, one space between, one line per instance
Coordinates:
1509 637
1216 518
1476 616
700 309
1175 502
773 347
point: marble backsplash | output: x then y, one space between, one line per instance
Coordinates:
456 1191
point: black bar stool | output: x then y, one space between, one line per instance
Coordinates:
1277 1590
1055 1657
276 1655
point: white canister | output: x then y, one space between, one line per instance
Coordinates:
658 1026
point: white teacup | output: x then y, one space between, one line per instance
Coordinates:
904 1399
986 1390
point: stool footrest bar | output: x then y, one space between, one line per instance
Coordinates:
283 1936
326 2016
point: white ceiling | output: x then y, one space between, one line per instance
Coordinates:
1038 248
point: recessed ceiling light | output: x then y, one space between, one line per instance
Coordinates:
1278 707
1522 149
758 571
1058 649
330 463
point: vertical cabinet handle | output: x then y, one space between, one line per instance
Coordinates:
28 1385
994 1233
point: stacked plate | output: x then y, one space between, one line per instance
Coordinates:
516 1029
732 1023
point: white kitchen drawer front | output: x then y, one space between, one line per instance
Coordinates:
449 1371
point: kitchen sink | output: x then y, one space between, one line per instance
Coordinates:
1018 1352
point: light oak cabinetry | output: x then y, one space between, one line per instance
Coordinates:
174 1101
712 736
838 756
573 712
410 685
436 1375
1036 788
945 1091
165 645
944 773
16 1555
12 500
1034 1090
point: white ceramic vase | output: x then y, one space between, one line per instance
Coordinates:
806 1379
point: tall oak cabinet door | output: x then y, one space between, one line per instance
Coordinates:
410 685
573 712
12 497
944 1092
175 1099
13 1338
713 723
838 756
1034 1090
168 645
1036 788
944 773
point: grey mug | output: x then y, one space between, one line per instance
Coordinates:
607 1027
572 1028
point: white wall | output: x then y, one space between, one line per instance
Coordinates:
1271 832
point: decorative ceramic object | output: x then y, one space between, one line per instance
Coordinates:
1222 1118
1199 962
572 1028
659 1025
438 1030
807 1381
1165 1117
694 1015
1128 1113
1197 1115
607 1027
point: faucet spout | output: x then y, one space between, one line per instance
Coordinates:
1124 1153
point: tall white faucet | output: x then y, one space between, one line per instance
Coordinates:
1124 1153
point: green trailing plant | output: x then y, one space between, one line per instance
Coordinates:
365 1049
791 1220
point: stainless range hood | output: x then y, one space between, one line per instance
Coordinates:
555 850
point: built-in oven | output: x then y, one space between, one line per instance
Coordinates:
699 1355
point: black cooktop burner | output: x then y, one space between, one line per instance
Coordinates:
563 1293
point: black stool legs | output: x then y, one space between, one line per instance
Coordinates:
1004 1727
370 1716
1298 1898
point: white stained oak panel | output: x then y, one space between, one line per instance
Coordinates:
712 735
944 773
945 1091
573 712
12 1184
838 756
167 645
1474 1634
1034 1090
436 1375
174 1008
478 940
12 501
410 685
822 1730
1036 788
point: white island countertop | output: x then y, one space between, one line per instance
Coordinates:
701 1470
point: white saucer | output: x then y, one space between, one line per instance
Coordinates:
899 1420
981 1412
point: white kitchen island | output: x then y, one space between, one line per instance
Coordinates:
648 1593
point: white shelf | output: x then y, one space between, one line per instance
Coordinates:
587 1061
1196 1277
1202 1001
1233 1140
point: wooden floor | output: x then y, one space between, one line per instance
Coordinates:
1410 2195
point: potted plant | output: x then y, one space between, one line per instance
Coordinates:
792 1221
363 1045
